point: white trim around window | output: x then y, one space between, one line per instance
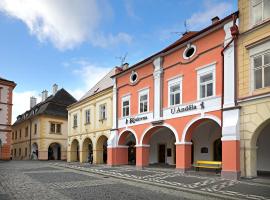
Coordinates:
175 84
141 100
125 109
260 11
207 70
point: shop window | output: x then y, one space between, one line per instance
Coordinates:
260 11
75 120
102 112
143 101
175 91
261 70
87 116
206 82
126 106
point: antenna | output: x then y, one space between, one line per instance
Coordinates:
186 25
180 33
122 58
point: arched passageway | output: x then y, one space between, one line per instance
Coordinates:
34 153
262 158
74 151
128 141
158 143
54 151
87 151
101 150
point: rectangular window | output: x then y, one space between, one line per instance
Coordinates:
75 121
58 128
55 127
87 116
26 132
261 67
175 91
20 133
35 131
15 135
12 135
260 10
20 151
143 101
102 112
52 127
125 106
206 85
25 152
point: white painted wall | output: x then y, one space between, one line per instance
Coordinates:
162 136
204 136
263 158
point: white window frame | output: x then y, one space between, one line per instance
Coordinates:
172 82
204 70
254 52
87 114
125 98
101 118
75 116
141 93
252 4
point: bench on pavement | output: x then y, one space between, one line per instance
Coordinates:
217 165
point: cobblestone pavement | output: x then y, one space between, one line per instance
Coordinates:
194 182
55 180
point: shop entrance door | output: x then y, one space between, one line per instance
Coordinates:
161 153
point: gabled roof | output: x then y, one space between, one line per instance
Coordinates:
54 105
104 83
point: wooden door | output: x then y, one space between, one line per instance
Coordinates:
161 153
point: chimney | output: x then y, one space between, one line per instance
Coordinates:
33 102
215 19
44 95
125 66
54 89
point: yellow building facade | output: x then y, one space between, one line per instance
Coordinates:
41 132
253 61
90 123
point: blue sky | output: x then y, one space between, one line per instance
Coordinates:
74 44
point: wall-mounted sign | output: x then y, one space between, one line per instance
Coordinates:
133 120
190 107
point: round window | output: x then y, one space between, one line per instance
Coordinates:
133 77
189 52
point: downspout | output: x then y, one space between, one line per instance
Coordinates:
234 33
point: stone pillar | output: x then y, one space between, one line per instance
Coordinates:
251 162
231 144
117 155
158 71
142 155
183 156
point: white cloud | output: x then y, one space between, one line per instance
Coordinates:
65 24
89 73
130 9
21 102
211 9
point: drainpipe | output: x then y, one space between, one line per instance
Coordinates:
234 33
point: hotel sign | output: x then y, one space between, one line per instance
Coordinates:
133 120
190 107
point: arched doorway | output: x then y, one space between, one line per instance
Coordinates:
263 149
74 151
87 151
205 135
129 140
34 153
54 152
101 150
162 149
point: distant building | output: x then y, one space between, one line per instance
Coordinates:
6 89
253 60
41 132
90 122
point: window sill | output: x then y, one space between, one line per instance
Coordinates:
88 123
53 133
74 127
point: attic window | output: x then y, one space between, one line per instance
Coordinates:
133 77
189 51
96 90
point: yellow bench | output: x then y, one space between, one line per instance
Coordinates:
217 165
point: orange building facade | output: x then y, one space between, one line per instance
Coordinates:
6 93
178 106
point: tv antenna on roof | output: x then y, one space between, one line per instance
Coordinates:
122 58
180 33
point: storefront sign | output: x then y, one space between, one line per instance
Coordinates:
186 108
133 120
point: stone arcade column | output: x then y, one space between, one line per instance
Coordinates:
142 155
231 114
183 156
